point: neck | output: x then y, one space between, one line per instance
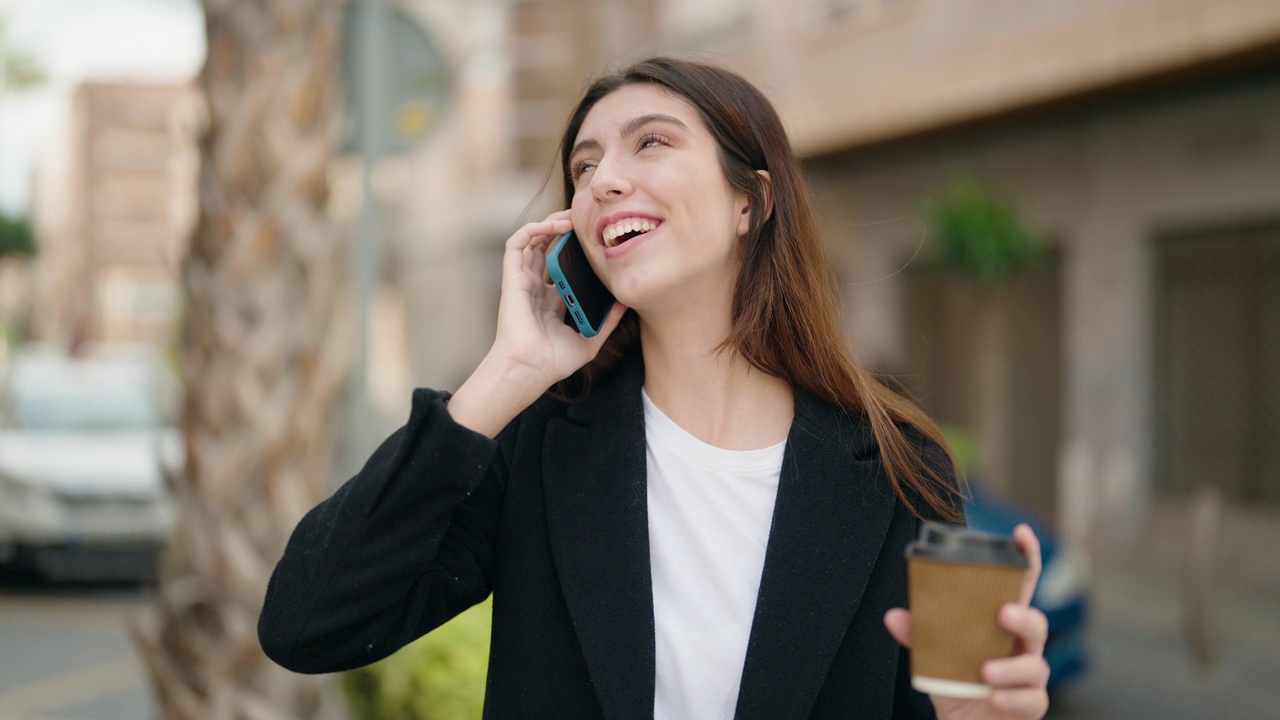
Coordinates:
713 394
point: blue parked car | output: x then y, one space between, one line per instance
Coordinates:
1063 592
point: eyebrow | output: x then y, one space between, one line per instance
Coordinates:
630 127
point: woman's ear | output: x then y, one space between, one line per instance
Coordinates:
766 192
766 196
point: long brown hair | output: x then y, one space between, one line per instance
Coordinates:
785 319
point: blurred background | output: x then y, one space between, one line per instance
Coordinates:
234 236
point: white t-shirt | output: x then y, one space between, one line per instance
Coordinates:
710 511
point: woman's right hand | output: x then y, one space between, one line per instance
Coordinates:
532 334
534 347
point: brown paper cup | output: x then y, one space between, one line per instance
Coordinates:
957 587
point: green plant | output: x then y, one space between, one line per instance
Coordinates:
964 448
980 234
18 70
439 677
16 237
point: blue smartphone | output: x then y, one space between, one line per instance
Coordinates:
586 300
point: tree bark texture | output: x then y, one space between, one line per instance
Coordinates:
266 347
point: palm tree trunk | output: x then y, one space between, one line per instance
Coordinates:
265 351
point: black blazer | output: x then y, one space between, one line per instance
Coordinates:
551 517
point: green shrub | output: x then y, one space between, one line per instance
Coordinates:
980 234
964 448
439 677
16 237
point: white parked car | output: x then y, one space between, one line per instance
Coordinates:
82 442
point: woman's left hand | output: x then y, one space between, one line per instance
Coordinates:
1017 682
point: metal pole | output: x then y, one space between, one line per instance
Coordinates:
367 245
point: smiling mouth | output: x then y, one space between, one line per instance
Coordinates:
619 234
623 238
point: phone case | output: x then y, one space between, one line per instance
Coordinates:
587 301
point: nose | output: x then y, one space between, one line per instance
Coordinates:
608 182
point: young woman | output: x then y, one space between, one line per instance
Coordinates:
699 513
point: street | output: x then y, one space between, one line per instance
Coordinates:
67 656
65 653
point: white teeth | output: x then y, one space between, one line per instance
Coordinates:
629 225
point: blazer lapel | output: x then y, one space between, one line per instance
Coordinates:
830 520
598 521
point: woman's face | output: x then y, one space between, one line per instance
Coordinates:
658 220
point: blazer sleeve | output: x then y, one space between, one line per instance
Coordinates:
399 549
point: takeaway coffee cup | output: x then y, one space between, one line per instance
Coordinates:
958 579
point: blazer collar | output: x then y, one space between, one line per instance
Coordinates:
598 521
829 521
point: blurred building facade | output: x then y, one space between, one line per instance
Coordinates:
518 65
112 203
1138 136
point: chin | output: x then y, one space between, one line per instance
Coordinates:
631 291
633 302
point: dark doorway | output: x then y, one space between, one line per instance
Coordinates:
955 326
1217 362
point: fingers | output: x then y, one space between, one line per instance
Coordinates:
1027 624
1018 683
1029 545
1019 671
1020 702
532 238
898 622
556 223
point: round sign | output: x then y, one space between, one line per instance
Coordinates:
412 80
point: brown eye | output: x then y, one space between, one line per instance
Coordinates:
577 169
652 140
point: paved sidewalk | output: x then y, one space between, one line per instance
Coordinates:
1142 665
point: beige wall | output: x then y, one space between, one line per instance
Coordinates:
852 72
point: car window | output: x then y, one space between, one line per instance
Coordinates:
100 410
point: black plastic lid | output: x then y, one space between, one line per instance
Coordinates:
953 543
